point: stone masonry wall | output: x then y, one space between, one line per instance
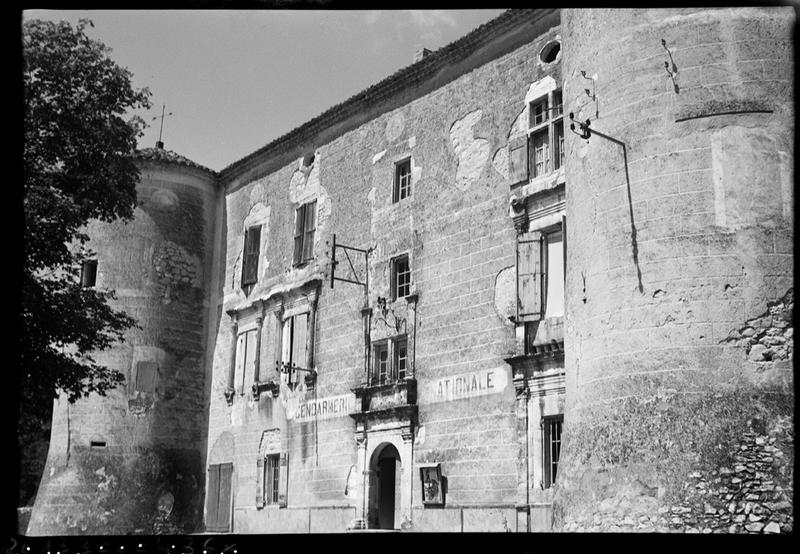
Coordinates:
679 254
144 474
456 231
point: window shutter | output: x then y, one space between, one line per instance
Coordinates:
529 277
283 479
252 244
224 506
241 352
212 500
261 482
518 159
299 339
250 359
564 244
299 221
286 347
309 227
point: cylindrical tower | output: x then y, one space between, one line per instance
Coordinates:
132 462
679 258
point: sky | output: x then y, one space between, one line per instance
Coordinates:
236 80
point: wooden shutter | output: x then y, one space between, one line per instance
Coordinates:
250 357
299 339
529 276
224 506
283 479
286 347
518 159
212 500
299 223
252 243
238 371
261 482
308 228
564 246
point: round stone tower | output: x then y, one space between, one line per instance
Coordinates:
132 462
679 258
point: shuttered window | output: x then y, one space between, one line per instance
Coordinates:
283 480
245 364
304 228
294 344
252 242
218 499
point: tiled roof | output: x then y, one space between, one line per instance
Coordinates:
409 75
161 155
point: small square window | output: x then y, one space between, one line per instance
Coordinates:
401 277
402 180
88 273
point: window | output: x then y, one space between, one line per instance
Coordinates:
304 227
542 150
400 358
390 366
88 273
401 277
252 242
402 180
551 447
541 269
218 499
245 367
146 376
271 478
294 342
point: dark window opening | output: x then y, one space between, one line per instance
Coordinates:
550 52
402 180
98 444
89 273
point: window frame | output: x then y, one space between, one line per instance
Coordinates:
242 354
391 347
402 186
395 276
552 120
272 473
540 270
549 464
304 233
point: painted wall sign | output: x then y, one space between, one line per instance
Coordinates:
322 408
467 385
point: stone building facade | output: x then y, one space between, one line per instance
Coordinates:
394 316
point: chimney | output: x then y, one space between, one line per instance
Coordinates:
421 54
159 145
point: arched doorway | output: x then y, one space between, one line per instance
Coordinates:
384 487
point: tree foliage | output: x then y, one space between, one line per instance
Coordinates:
79 137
